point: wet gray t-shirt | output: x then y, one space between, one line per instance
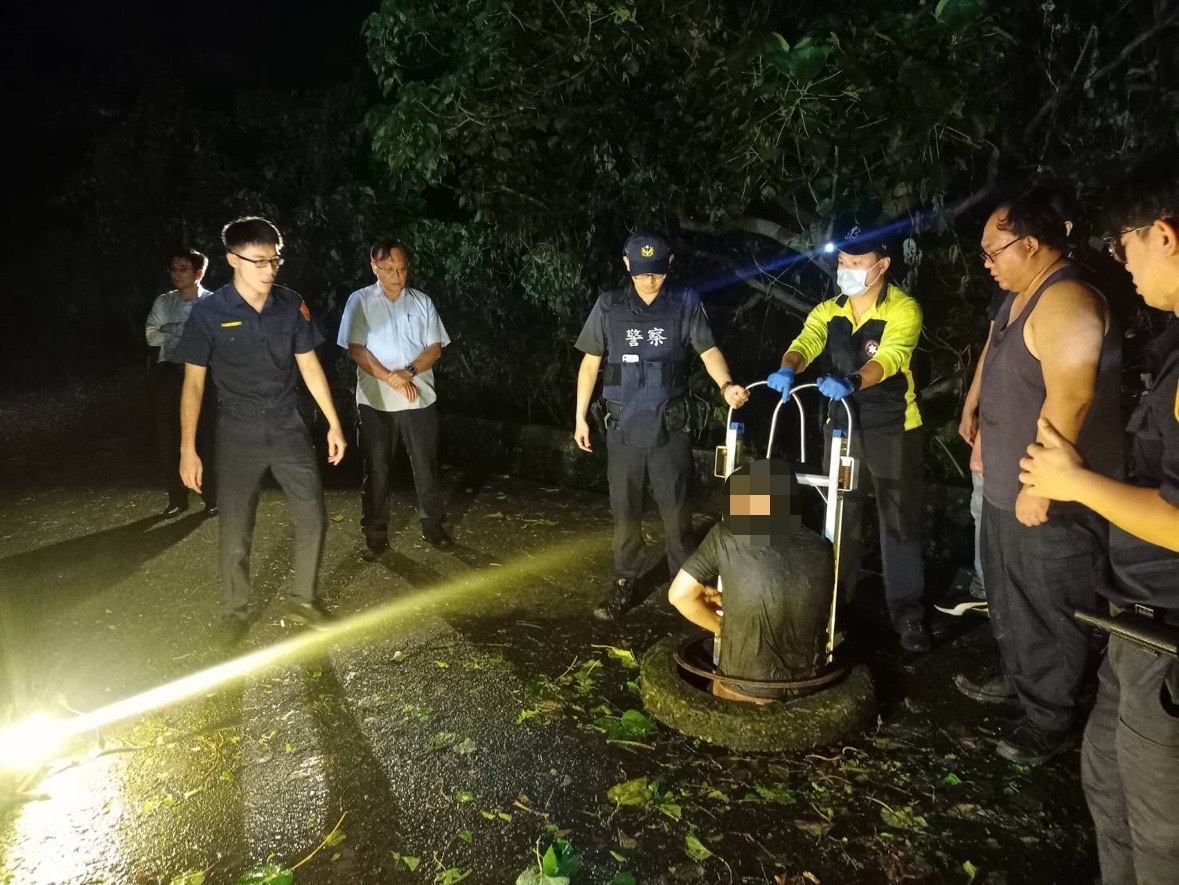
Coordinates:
776 603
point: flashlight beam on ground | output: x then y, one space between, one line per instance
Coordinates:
37 738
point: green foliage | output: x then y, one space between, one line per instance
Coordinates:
269 874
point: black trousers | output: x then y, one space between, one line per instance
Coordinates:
168 383
669 469
247 446
379 433
1037 576
1130 766
892 462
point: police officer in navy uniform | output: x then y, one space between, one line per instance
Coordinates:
644 333
1130 753
260 340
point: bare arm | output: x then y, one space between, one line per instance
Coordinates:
689 598
191 395
317 386
718 370
968 424
587 379
1053 469
1064 333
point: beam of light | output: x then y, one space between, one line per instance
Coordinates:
34 740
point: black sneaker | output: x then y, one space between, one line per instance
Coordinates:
964 596
438 538
211 510
230 631
174 509
993 688
617 601
1028 744
914 636
373 552
307 614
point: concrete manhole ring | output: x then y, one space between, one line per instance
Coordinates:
815 720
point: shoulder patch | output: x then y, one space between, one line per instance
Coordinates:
304 310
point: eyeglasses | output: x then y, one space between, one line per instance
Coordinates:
274 263
991 256
1117 248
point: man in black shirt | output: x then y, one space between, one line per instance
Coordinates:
259 339
645 333
1130 754
778 579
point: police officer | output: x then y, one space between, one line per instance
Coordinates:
164 326
643 332
868 333
259 339
1130 753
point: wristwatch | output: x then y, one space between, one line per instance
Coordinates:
412 369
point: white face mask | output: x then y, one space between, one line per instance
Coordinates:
852 281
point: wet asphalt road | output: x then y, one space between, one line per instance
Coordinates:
461 733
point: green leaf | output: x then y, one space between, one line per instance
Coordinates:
695 847
623 879
958 14
451 876
466 836
671 810
270 874
806 60
970 869
632 792
630 726
777 793
548 864
626 656
464 796
952 779
411 863
618 855
191 877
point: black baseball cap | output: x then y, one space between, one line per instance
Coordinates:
860 241
648 251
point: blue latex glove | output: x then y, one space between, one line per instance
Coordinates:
834 387
781 381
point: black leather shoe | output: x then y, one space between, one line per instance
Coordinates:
438 538
307 614
994 688
619 599
914 636
211 510
1028 744
174 510
373 552
231 631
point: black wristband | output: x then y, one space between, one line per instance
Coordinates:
856 380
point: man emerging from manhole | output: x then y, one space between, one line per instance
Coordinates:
777 578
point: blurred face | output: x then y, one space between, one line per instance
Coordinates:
255 268
392 271
749 505
182 273
1009 258
1152 258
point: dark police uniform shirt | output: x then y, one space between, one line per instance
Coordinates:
776 603
693 321
252 352
886 333
1146 573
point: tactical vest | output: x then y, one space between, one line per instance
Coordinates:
646 362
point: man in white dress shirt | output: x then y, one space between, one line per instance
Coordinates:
393 334
163 329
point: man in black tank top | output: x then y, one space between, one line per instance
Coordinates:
1130 755
1052 353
